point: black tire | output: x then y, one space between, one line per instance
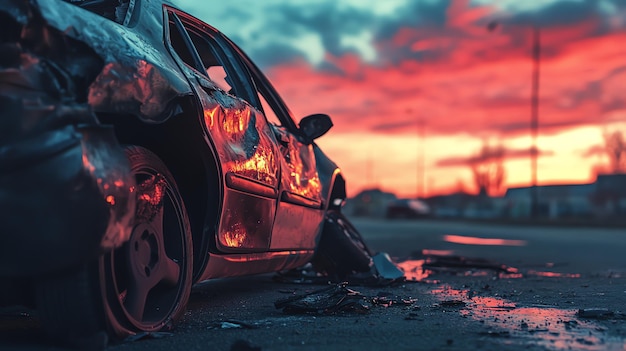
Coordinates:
341 250
142 286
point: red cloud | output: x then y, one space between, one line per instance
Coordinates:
463 92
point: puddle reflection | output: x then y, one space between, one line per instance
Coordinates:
414 270
428 252
552 328
442 261
553 274
421 269
470 240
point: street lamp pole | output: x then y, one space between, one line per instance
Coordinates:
419 184
534 117
534 121
419 157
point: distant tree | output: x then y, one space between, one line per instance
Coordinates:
615 147
488 169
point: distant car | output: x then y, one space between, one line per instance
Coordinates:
141 151
407 208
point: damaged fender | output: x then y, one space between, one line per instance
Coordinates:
65 183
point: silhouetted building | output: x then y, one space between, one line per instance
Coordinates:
610 195
554 201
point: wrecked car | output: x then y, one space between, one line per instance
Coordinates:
407 208
141 152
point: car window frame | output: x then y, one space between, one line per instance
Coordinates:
243 84
273 98
170 14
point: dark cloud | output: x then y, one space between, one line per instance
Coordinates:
416 14
331 23
275 54
557 14
563 13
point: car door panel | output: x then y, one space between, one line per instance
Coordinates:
299 177
300 202
243 145
246 153
295 227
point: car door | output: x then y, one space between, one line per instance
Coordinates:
243 142
299 215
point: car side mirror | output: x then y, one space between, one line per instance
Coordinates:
314 126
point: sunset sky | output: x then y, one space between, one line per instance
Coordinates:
387 70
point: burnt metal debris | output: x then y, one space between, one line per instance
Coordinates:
330 300
387 299
339 299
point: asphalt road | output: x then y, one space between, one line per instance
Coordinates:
552 273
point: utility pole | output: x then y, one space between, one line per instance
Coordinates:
534 122
369 171
534 116
420 159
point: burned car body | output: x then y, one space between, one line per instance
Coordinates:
141 151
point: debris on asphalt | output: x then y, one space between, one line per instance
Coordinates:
386 269
330 300
229 325
387 299
339 298
233 324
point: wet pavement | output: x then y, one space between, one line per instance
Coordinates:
468 287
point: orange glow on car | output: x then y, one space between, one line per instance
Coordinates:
210 115
237 124
235 237
87 164
153 190
470 240
310 188
260 166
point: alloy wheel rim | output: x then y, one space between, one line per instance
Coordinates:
145 275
